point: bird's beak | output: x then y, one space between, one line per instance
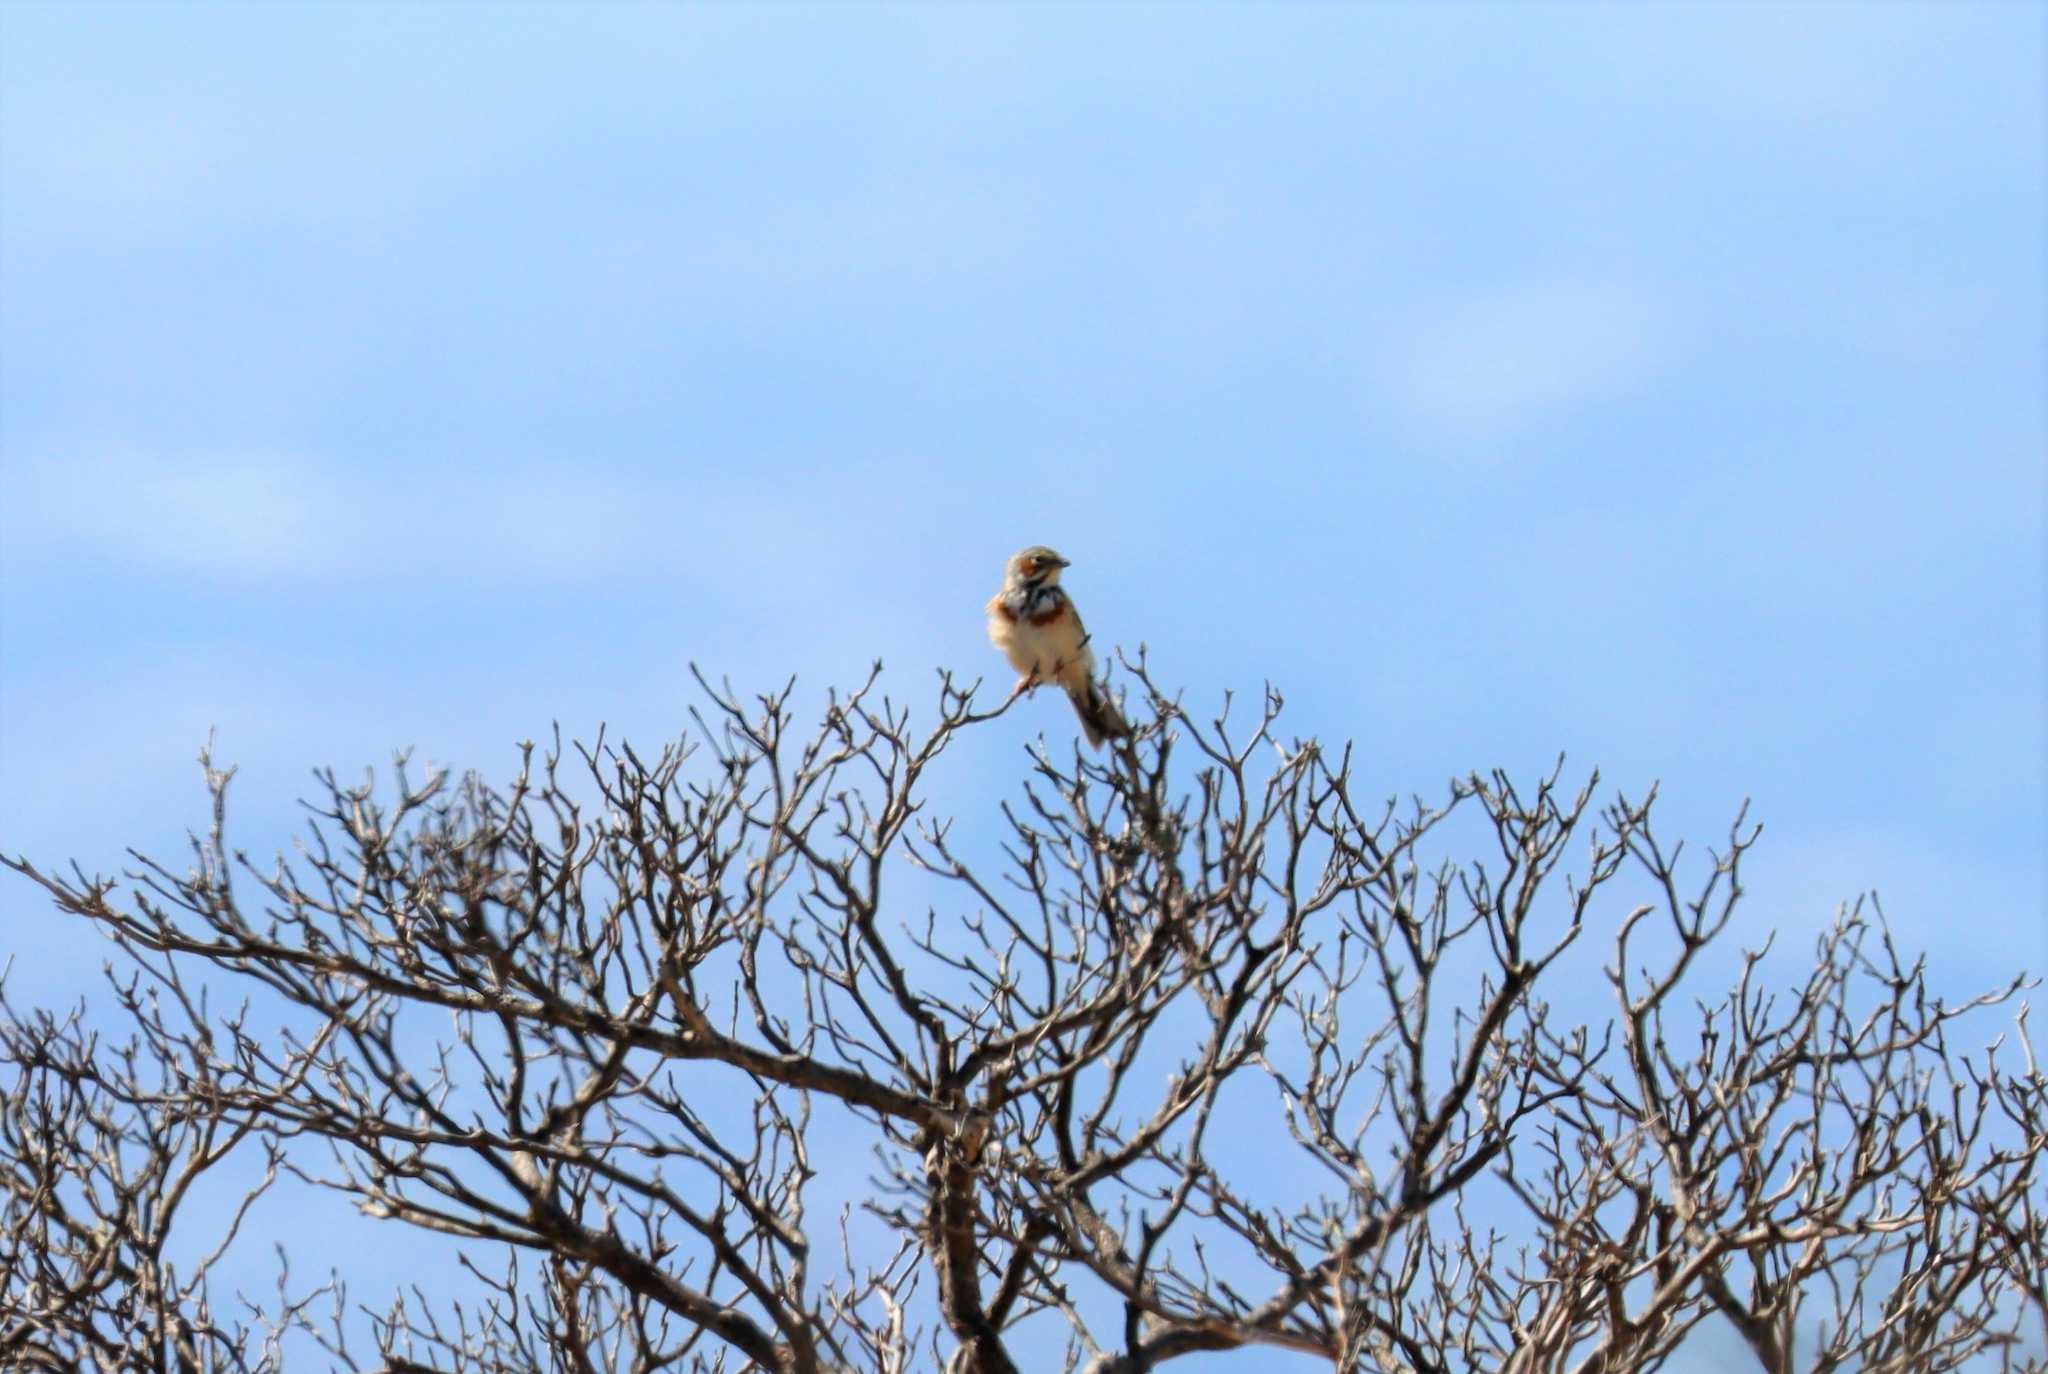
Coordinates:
1062 563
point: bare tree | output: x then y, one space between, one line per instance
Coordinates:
1198 1049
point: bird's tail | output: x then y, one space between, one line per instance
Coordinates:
1100 720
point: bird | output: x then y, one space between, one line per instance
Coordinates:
1033 621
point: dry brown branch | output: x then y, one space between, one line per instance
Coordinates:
1198 1049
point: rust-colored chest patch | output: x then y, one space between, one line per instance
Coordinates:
1055 607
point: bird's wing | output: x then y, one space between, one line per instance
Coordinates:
1080 658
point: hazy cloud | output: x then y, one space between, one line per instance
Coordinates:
246 515
1482 378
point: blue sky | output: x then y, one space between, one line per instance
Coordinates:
1658 384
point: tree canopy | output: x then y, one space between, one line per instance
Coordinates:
1198 1045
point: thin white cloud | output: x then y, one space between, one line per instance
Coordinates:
231 514
1484 378
698 520
307 517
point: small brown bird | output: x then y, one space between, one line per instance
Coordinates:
1033 621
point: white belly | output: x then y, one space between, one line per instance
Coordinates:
1045 652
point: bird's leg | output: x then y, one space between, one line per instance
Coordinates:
1036 678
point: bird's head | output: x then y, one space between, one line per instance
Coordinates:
1036 566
